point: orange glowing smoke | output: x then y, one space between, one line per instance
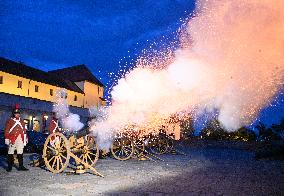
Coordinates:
231 59
243 41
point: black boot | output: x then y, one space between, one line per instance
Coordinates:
10 160
21 166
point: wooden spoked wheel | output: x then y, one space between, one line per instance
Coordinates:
159 145
56 152
170 142
90 152
139 147
122 148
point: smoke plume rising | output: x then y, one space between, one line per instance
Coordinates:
70 122
230 59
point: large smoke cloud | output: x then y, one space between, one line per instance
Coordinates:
231 60
243 43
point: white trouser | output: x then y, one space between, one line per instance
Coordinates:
18 145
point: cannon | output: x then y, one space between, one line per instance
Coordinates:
161 143
59 149
127 145
135 143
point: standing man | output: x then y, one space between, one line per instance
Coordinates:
53 128
53 125
15 138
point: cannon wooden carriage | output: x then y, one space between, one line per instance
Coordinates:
59 150
132 144
127 145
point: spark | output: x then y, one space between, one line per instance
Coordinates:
219 63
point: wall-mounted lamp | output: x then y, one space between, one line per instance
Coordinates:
45 116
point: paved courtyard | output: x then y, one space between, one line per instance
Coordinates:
200 172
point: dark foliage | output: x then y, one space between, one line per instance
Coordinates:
214 130
271 133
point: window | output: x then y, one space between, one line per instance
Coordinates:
36 88
19 84
98 90
1 79
75 98
66 95
51 92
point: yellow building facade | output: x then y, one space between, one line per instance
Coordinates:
25 87
93 89
91 94
35 90
13 84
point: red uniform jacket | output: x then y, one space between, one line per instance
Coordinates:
14 128
53 126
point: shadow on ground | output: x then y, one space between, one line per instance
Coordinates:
228 174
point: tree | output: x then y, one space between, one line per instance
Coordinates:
214 130
278 127
186 125
268 134
243 134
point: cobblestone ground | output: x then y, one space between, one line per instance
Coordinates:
201 172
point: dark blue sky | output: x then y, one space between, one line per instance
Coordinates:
55 34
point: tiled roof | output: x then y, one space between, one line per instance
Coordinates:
76 74
28 72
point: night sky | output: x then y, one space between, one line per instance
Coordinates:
100 34
96 33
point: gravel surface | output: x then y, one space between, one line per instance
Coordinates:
200 172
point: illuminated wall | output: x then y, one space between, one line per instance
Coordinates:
11 84
30 88
93 92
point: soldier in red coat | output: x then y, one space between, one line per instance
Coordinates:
53 128
53 125
16 139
